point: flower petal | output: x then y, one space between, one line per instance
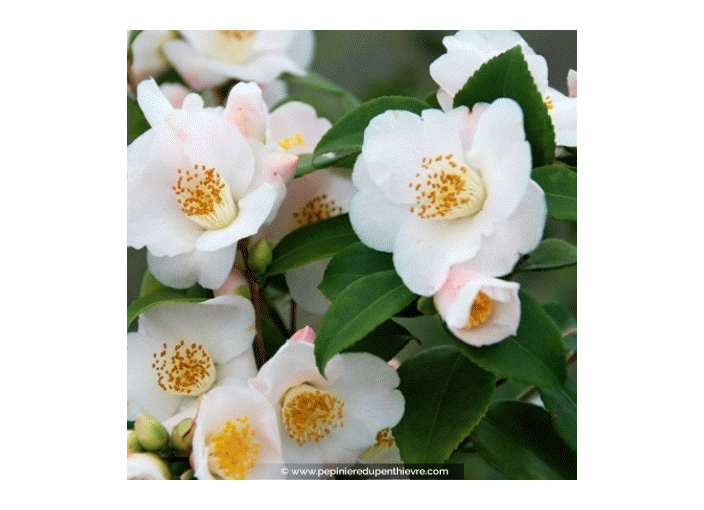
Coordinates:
295 119
208 268
223 325
246 109
518 234
154 105
191 66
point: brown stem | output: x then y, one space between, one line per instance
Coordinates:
254 291
292 316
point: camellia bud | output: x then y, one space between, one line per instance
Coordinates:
260 257
426 306
133 445
182 437
151 433
187 475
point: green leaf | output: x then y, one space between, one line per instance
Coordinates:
385 341
534 356
315 81
273 339
475 467
305 165
551 254
136 122
150 285
357 311
130 425
518 440
560 186
146 302
432 100
562 404
446 396
349 265
312 242
507 75
565 321
346 135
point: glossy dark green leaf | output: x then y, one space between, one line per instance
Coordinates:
517 439
312 242
562 404
475 467
346 135
349 265
560 186
432 100
565 321
357 311
146 302
534 356
507 75
446 396
385 341
551 254
136 122
273 338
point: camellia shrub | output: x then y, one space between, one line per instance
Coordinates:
343 298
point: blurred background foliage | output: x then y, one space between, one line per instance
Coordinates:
395 62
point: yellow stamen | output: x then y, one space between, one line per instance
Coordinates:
234 450
481 310
548 102
447 189
185 370
205 198
310 414
291 141
317 209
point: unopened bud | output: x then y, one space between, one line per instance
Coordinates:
426 306
151 433
260 257
187 475
133 445
182 437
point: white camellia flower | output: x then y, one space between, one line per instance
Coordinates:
146 466
183 350
467 50
206 58
448 188
572 82
199 181
329 419
236 436
478 309
296 129
147 56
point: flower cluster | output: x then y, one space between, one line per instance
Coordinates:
221 384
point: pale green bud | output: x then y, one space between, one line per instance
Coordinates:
260 257
426 306
151 433
133 445
187 475
182 437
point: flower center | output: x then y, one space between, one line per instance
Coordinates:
204 198
481 310
317 209
291 141
310 414
234 450
232 46
185 370
385 439
447 189
548 102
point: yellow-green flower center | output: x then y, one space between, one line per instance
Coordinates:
205 198
233 451
446 189
310 414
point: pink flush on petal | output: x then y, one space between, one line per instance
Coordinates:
394 363
234 281
305 334
279 167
